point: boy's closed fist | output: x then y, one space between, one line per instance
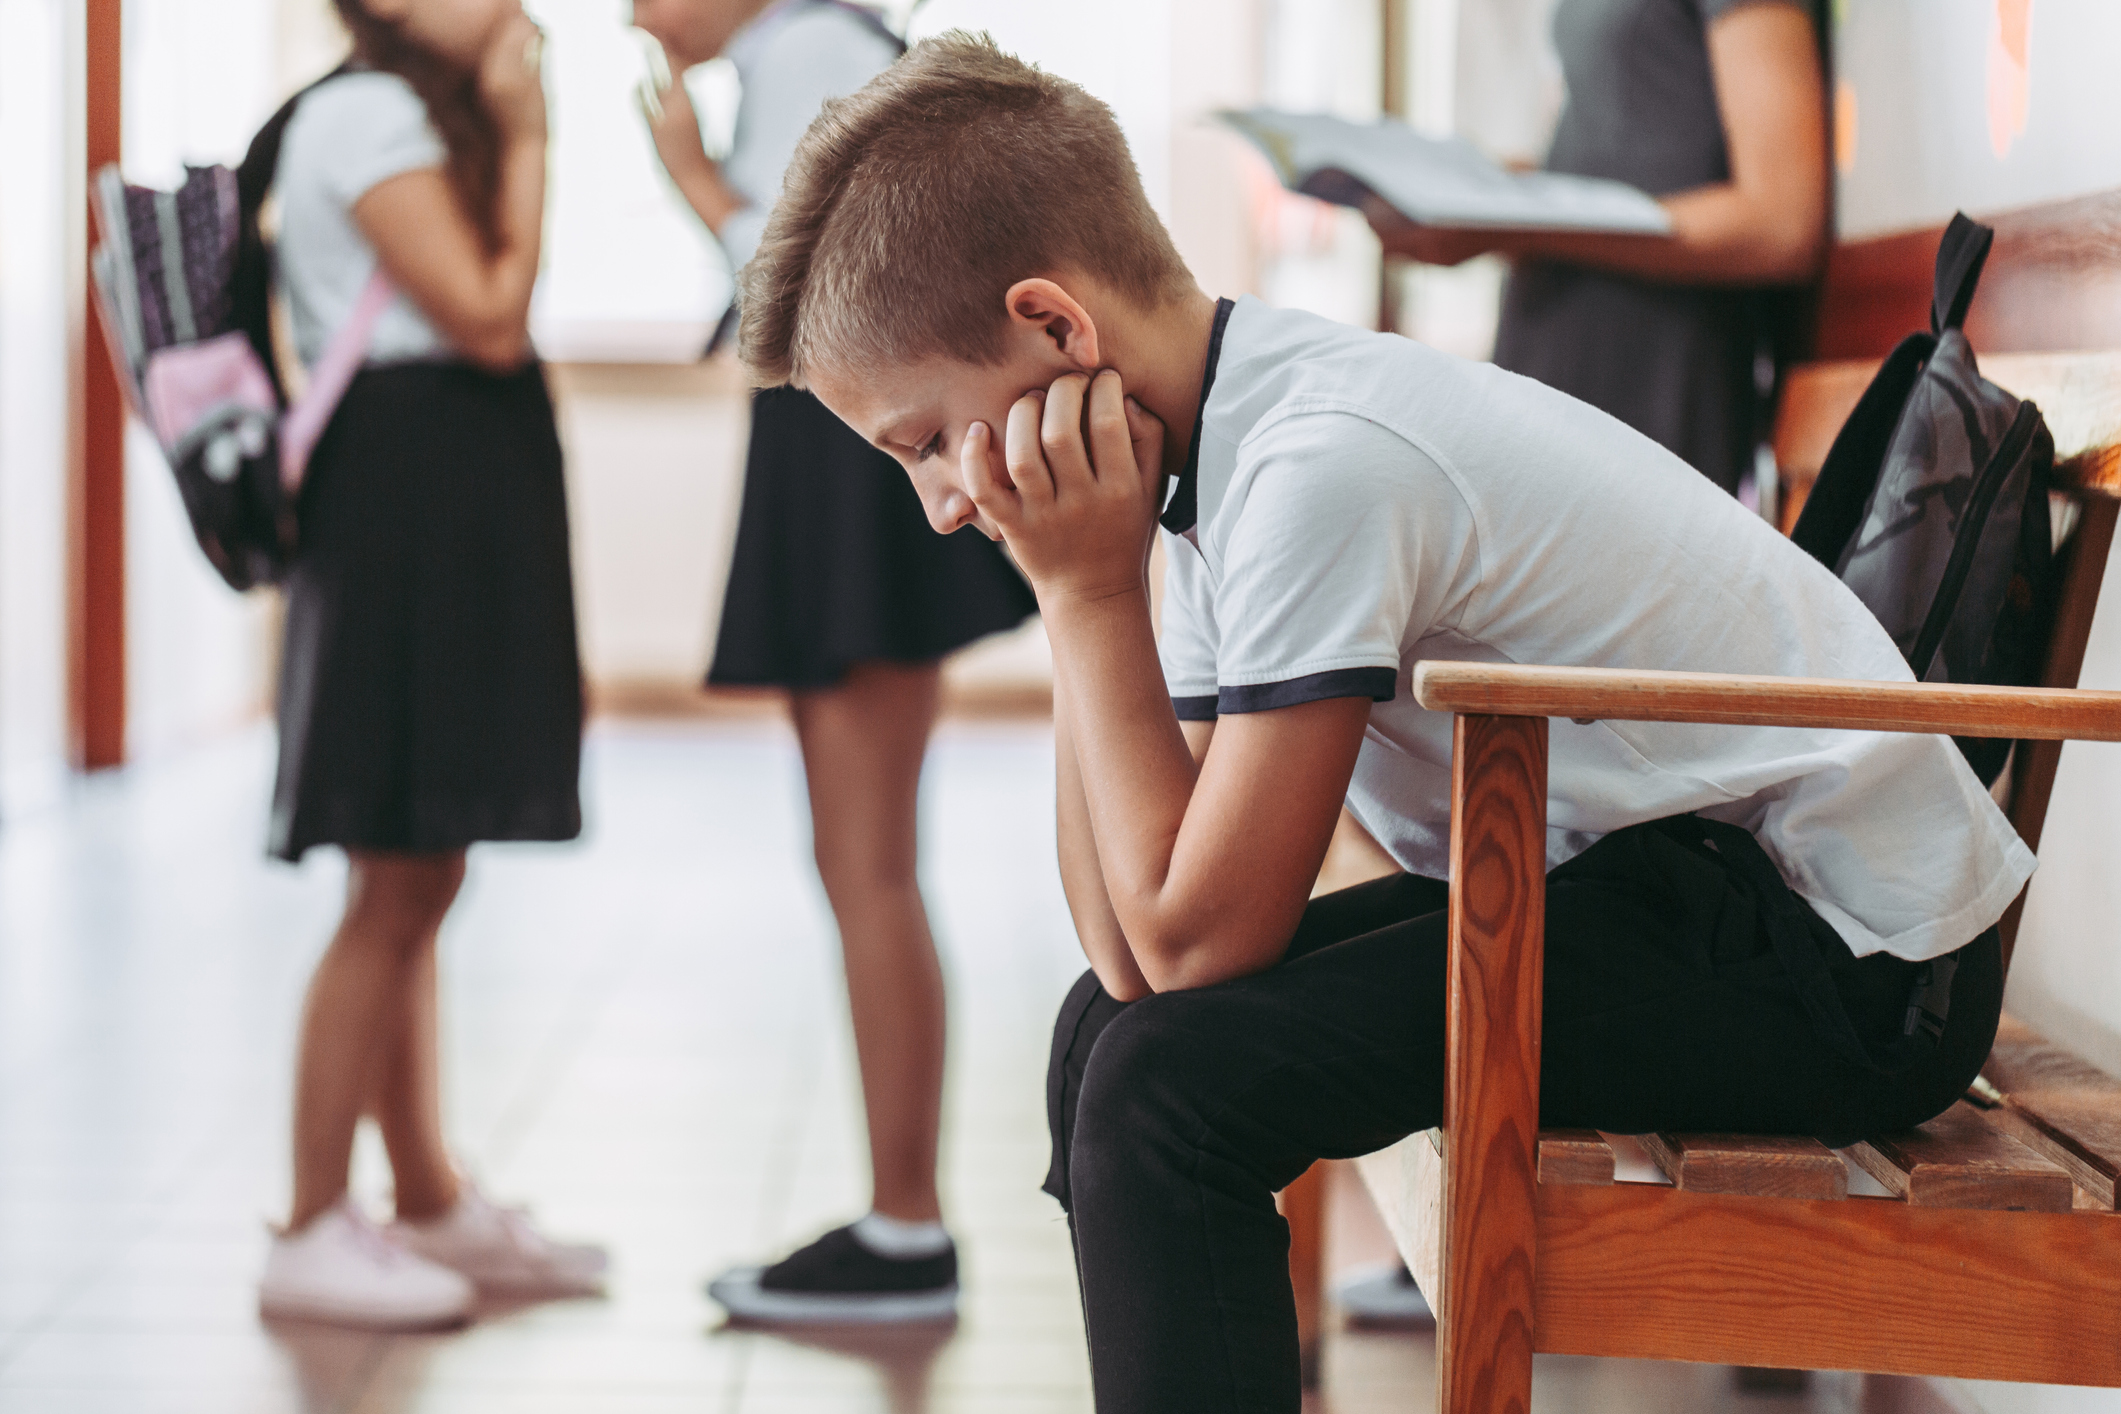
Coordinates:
1077 501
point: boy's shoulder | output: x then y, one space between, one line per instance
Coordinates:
1280 364
1288 383
1390 417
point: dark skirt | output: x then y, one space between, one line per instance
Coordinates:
430 693
836 565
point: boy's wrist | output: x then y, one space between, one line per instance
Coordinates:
1082 602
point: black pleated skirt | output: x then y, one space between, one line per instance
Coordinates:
836 565
430 692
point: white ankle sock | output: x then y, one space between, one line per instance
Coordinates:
904 1241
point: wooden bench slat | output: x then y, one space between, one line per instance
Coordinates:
1574 1156
2061 1107
1958 1160
1758 1165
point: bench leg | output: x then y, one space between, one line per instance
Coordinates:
1303 1207
1491 1077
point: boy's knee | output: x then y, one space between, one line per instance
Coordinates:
1135 1082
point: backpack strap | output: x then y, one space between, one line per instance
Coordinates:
1960 256
329 379
250 285
1834 510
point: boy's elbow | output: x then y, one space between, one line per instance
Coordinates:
1171 961
1161 955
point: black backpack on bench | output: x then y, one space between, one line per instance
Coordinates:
1932 504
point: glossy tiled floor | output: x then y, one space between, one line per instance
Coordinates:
645 1039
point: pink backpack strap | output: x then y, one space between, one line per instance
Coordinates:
328 380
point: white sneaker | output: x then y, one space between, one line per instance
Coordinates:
502 1253
342 1270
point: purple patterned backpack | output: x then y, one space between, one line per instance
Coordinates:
182 280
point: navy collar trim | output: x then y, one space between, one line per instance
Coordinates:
1182 511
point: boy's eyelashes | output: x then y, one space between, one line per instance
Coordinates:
929 448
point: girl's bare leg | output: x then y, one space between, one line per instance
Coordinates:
368 1037
406 1099
863 741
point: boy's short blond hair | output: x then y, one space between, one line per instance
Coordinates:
912 206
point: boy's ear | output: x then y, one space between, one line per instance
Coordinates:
1041 308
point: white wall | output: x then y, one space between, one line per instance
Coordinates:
1938 96
38 62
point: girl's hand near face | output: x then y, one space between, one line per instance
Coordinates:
674 127
1078 512
512 80
673 124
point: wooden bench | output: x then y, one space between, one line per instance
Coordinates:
1989 1246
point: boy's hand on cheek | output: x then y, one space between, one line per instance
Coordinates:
1078 513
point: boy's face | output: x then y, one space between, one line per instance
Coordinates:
920 413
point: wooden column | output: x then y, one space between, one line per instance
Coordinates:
96 570
1491 1079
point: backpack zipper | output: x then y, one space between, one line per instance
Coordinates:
1968 540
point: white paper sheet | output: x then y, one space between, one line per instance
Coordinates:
1436 182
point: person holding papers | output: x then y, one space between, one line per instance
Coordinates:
1718 109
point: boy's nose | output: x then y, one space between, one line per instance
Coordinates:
948 509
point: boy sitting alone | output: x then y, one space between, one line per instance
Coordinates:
963 266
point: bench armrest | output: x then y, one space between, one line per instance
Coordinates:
1588 694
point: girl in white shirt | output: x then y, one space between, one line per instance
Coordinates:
430 695
841 593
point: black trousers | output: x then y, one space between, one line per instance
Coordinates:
1667 1007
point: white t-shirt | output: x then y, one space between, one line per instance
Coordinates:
1361 502
789 60
345 137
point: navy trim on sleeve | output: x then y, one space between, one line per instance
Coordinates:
1194 709
1182 511
1377 684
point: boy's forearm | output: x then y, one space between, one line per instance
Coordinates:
1136 772
1104 941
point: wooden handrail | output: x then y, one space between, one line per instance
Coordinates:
1588 694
